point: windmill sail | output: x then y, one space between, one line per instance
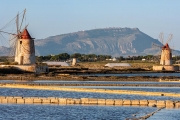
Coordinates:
14 35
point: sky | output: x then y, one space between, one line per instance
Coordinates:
54 17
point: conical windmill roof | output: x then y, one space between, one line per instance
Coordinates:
25 34
166 47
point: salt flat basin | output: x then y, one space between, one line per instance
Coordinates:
135 74
71 94
71 112
166 114
79 112
148 89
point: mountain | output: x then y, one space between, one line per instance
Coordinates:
106 41
109 41
4 51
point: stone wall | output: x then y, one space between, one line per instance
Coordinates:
88 101
29 68
166 67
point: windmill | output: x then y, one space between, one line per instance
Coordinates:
22 44
166 52
14 34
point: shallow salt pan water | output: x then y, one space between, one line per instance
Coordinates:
66 94
166 114
74 112
135 74
149 89
86 82
80 112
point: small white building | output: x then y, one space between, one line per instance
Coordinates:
118 65
56 64
143 59
74 61
114 59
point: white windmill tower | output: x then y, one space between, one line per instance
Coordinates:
25 51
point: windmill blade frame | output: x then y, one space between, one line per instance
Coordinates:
13 38
170 37
13 43
161 37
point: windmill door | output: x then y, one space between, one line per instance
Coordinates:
21 60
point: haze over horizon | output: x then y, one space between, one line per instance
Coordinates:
49 18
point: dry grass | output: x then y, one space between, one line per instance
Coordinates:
134 64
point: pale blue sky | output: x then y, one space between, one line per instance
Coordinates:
53 17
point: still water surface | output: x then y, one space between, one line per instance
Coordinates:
80 112
87 82
148 89
68 112
67 94
166 114
135 74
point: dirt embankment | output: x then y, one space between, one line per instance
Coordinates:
85 72
89 77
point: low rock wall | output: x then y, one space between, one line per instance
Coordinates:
88 101
166 67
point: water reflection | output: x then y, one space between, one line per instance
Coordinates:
71 112
166 114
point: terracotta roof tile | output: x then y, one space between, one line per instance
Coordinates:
25 34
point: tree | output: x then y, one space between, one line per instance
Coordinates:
121 58
54 58
64 56
39 59
76 55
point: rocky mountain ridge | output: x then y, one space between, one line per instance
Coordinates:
110 41
106 41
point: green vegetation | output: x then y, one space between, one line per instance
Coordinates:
92 58
97 58
80 57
